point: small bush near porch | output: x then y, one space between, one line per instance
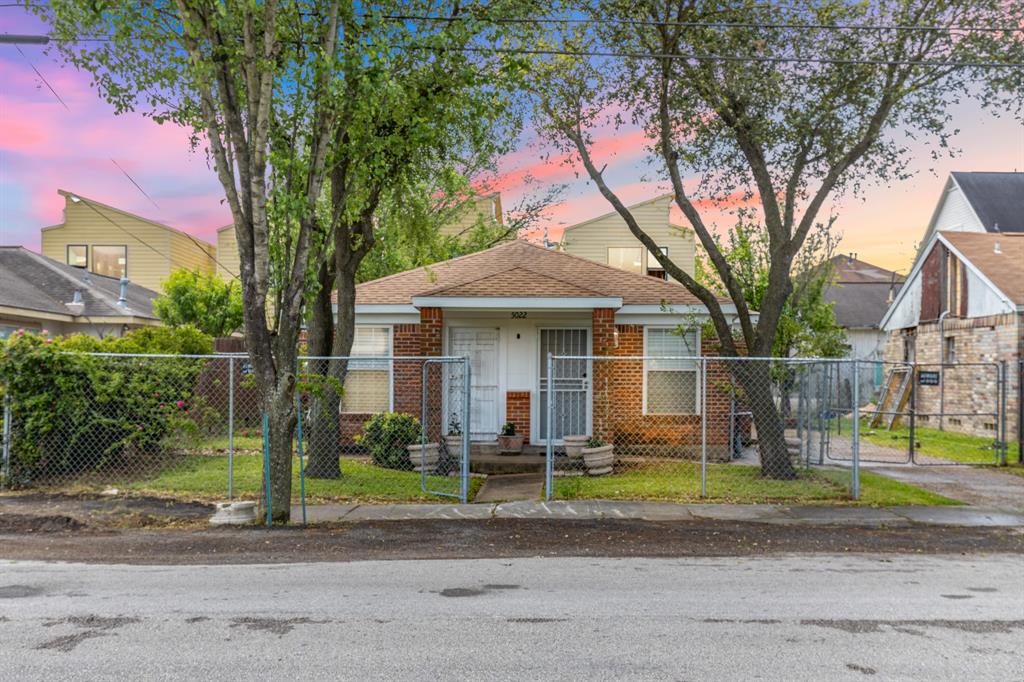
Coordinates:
735 483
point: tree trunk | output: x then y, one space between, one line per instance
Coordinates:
323 430
281 419
755 378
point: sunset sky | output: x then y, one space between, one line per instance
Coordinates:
45 146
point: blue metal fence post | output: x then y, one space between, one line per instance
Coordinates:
703 427
266 468
231 427
466 427
302 468
549 461
855 466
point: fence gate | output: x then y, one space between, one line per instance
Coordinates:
445 420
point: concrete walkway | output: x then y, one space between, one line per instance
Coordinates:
509 487
810 515
981 486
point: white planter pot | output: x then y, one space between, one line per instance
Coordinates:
510 445
599 460
424 457
453 444
574 446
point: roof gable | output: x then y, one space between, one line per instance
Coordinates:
998 258
609 214
997 198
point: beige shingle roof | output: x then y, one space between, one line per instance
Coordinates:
520 268
1005 269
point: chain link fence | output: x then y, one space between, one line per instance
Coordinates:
192 426
760 429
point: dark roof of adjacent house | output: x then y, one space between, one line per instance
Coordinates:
32 282
519 268
997 198
861 292
999 257
847 269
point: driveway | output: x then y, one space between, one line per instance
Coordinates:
979 486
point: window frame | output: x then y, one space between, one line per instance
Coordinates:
949 350
109 246
640 257
698 403
390 331
67 255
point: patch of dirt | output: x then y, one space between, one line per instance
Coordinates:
53 512
89 627
45 523
498 538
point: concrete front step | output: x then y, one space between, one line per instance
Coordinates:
506 464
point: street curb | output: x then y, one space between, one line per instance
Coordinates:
799 515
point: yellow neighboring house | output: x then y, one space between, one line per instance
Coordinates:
228 266
486 207
108 241
607 239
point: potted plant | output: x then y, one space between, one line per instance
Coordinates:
453 440
574 445
424 457
598 457
509 442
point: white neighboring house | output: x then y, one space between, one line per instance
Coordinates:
607 239
978 201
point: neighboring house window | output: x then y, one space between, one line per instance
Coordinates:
368 382
949 350
654 268
6 330
626 258
78 255
111 261
670 371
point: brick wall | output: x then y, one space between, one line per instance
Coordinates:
965 388
517 411
618 415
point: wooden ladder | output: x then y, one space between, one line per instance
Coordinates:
895 395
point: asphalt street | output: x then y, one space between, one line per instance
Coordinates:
807 617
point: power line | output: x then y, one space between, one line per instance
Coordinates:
42 77
132 180
701 24
685 56
717 57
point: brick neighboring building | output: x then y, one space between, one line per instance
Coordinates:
507 308
963 304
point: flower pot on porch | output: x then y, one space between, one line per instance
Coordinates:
510 445
599 460
424 457
574 446
453 445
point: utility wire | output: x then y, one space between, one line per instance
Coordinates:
42 77
132 180
716 57
699 24
686 56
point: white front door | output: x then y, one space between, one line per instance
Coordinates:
481 347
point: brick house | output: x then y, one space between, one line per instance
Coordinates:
959 315
510 306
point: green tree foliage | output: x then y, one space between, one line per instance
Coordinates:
76 413
808 325
201 300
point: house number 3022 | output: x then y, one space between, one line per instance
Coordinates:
518 314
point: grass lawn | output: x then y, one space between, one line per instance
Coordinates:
956 447
742 484
206 478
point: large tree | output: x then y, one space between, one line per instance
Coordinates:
784 106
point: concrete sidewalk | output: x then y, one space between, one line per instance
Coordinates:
803 515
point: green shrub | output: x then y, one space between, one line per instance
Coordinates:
76 413
387 435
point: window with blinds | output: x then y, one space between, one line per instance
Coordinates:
670 371
368 382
